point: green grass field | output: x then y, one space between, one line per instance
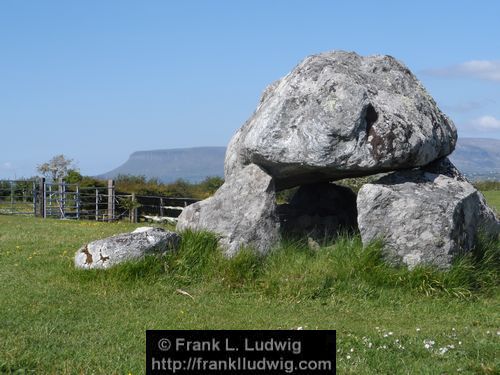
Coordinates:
493 199
56 320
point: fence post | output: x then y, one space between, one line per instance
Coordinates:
111 200
161 207
97 204
77 201
133 212
62 195
33 189
11 197
49 200
41 196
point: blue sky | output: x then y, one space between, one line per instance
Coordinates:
97 80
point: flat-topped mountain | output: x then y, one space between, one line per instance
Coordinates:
477 158
191 164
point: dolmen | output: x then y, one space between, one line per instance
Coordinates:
339 115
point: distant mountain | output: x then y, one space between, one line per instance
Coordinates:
191 164
477 158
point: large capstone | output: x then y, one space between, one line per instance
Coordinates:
242 212
424 216
107 252
319 211
339 115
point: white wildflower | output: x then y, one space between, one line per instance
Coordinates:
428 344
442 351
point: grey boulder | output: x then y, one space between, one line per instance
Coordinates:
339 115
242 212
107 252
424 216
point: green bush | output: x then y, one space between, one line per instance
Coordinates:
140 185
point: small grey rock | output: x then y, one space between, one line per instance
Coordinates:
105 253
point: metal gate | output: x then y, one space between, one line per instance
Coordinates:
19 197
61 200
70 201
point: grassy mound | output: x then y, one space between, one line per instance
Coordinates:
294 272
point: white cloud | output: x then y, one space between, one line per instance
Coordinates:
486 123
7 165
483 69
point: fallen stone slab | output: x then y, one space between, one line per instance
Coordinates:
107 252
242 212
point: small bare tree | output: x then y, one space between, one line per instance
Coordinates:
55 168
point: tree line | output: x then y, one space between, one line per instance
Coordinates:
60 167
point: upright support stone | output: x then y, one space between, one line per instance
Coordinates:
242 212
424 217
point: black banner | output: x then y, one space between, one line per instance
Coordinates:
240 352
